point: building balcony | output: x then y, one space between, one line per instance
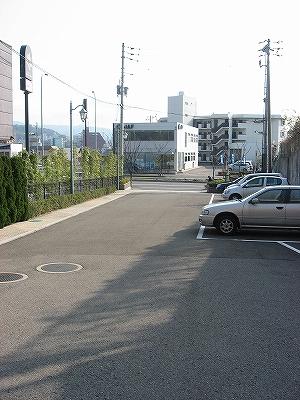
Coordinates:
218 139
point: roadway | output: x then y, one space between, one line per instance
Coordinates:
155 313
169 186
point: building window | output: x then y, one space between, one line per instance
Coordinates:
190 157
155 135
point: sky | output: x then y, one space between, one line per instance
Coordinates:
207 49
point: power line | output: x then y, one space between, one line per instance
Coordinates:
86 94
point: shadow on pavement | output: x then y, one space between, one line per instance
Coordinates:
171 327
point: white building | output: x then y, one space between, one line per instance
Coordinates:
182 109
220 137
161 146
235 136
10 149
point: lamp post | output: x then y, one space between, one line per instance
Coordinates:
83 116
95 117
42 133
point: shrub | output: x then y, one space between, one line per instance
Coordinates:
20 185
125 180
4 213
215 182
57 202
10 192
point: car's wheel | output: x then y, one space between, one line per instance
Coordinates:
234 196
226 224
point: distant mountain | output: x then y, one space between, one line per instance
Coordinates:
77 129
58 135
49 134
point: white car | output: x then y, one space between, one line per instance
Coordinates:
241 166
271 207
246 178
242 179
251 186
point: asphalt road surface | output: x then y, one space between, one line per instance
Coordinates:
155 313
169 186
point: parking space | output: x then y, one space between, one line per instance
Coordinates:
289 239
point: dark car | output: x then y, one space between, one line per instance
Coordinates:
222 186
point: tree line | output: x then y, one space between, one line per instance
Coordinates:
24 170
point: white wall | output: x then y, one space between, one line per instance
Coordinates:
11 149
187 142
179 144
181 109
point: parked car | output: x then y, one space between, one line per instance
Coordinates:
271 207
254 174
222 186
241 166
252 186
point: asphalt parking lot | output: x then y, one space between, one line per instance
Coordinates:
289 239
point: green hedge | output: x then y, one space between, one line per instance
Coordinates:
57 202
13 191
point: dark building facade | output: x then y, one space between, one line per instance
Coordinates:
6 102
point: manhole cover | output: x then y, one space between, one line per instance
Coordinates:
7 277
59 268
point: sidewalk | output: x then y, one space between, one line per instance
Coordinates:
20 229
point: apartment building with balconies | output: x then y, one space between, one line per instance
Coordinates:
231 137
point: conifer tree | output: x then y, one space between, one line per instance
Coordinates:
4 217
20 184
10 192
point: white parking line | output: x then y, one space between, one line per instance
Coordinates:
202 228
247 240
200 233
290 247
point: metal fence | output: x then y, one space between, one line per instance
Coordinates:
44 190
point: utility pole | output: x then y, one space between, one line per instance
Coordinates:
269 126
122 90
121 131
42 122
267 151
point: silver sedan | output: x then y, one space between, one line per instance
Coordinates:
271 207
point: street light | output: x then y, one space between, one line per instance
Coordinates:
83 116
95 118
42 133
